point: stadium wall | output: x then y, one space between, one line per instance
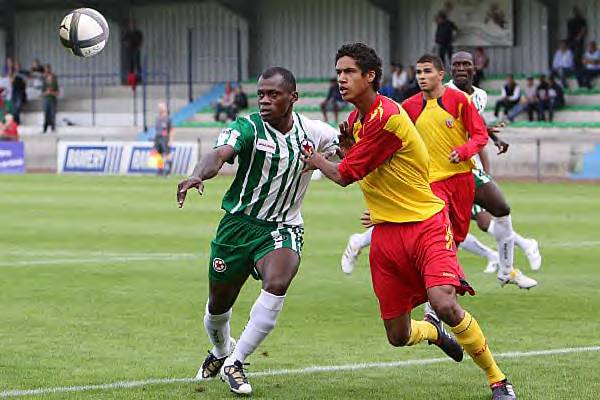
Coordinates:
529 53
36 36
304 35
214 40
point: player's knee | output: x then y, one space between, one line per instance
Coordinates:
217 307
276 286
398 337
500 210
448 310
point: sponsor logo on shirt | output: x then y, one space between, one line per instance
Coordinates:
265 145
219 265
450 123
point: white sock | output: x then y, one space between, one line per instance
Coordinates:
473 245
501 229
521 241
217 329
364 239
263 317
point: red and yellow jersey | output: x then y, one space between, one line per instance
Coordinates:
391 162
450 122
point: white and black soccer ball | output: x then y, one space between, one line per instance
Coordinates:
84 32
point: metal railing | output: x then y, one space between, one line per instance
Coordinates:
114 79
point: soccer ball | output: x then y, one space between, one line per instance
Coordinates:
84 32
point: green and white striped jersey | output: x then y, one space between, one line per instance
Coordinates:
269 184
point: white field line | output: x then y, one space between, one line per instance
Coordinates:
298 371
102 257
114 259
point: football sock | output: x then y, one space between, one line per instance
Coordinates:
469 335
473 245
364 239
263 317
217 328
501 229
521 241
421 330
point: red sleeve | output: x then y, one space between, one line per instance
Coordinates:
413 106
478 136
368 154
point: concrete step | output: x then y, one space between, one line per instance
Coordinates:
110 104
571 100
559 116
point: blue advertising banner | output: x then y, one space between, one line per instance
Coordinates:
125 158
12 158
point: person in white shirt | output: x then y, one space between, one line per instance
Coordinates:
563 63
511 94
399 81
591 66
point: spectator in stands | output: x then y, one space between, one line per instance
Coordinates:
563 63
9 67
591 66
225 104
527 103
412 86
240 99
50 97
19 91
482 61
444 36
163 139
511 94
6 93
557 94
36 74
134 39
399 81
576 32
542 92
9 130
333 102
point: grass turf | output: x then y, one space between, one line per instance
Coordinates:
104 280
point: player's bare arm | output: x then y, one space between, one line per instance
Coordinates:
485 160
317 160
493 132
208 168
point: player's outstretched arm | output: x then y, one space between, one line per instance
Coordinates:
208 167
330 169
493 132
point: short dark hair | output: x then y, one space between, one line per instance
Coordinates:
366 58
288 78
430 58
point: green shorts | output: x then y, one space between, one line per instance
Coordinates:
481 177
241 241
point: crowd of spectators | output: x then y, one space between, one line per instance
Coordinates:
16 84
233 100
536 99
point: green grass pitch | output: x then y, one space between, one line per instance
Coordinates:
103 280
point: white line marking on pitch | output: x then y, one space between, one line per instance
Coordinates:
114 259
298 371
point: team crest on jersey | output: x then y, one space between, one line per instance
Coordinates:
219 265
450 123
307 146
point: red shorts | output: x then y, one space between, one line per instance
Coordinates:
458 192
407 259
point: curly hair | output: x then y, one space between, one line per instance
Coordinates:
366 58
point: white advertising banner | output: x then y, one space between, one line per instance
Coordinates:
125 158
